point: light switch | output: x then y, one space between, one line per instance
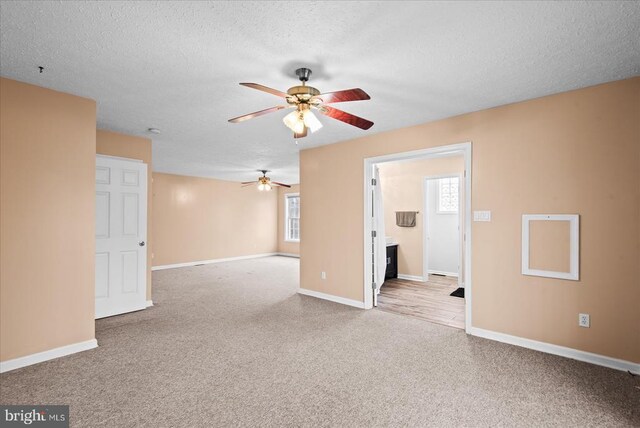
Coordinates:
482 216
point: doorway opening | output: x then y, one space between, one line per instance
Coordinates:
443 226
417 234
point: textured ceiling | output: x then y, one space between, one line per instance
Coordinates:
176 65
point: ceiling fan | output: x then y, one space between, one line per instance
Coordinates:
264 182
305 98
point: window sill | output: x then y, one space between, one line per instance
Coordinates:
295 241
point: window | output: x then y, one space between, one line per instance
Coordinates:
448 195
292 217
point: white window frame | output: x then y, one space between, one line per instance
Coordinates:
438 190
286 216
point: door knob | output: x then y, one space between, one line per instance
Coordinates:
141 243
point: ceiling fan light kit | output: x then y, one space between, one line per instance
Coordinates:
301 118
310 120
305 98
294 121
262 187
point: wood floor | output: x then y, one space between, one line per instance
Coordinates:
429 301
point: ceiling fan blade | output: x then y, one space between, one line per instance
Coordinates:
246 183
280 184
345 117
255 114
263 88
355 94
301 135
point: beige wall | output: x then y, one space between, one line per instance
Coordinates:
47 203
127 146
575 152
202 219
284 246
550 245
403 190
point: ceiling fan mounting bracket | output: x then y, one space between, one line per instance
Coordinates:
303 74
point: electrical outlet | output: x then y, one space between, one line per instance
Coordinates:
323 275
583 320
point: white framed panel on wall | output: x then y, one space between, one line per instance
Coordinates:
562 258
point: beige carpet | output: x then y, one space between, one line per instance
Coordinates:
232 344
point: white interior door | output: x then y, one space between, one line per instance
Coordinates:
379 241
121 231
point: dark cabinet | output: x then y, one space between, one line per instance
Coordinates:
392 262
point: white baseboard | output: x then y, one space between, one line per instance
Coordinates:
441 272
149 303
562 351
51 354
410 277
332 298
206 262
297 256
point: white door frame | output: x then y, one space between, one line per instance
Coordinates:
463 149
427 218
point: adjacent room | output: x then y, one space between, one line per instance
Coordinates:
336 214
422 229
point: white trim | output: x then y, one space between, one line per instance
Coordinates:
119 158
51 354
149 303
562 351
206 262
440 272
297 256
411 277
331 298
464 149
574 246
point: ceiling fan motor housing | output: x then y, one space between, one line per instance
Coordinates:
303 93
